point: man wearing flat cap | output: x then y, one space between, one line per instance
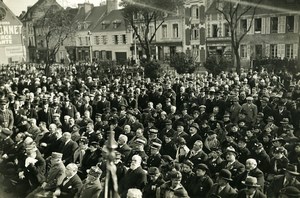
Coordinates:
155 180
91 185
54 178
282 181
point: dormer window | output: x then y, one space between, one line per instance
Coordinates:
116 23
86 26
79 26
105 24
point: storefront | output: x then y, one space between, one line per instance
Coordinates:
12 47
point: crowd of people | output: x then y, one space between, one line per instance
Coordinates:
192 135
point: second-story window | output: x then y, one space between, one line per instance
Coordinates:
80 41
195 12
274 24
175 30
290 24
97 40
116 40
124 39
243 25
215 30
257 25
164 31
243 51
289 53
226 30
87 40
104 39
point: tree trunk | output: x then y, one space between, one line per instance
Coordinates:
237 60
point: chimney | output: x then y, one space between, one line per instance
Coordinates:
86 6
111 5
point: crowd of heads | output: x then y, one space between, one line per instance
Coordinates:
177 128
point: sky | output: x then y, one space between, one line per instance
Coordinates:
17 6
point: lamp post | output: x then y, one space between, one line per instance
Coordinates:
91 52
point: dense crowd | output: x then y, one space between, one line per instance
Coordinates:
192 135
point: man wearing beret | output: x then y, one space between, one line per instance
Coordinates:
155 180
54 178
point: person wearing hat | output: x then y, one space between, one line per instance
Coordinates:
71 184
235 109
251 190
170 188
54 178
6 143
281 113
211 141
250 109
138 149
154 156
193 135
135 177
279 161
152 137
251 170
154 181
263 159
6 115
222 187
45 114
187 173
231 163
80 151
282 181
31 171
200 183
168 130
91 185
289 192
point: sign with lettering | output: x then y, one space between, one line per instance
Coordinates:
9 33
14 51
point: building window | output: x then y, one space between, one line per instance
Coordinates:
124 39
257 25
243 25
195 12
104 39
87 40
273 51
175 30
215 30
226 30
195 35
274 24
258 51
290 24
243 51
116 40
289 53
80 41
164 31
97 40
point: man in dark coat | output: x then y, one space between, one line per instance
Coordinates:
196 154
281 181
155 180
251 190
154 159
251 170
222 188
262 158
68 148
91 186
123 147
71 184
135 177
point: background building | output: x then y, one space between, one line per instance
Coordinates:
11 37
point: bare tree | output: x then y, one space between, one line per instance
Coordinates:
233 11
141 14
56 26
